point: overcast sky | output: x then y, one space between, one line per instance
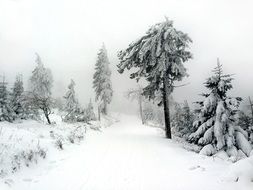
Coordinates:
68 33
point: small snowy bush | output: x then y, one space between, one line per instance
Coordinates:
59 144
27 157
76 135
21 158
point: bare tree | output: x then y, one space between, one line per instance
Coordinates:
41 103
136 94
41 83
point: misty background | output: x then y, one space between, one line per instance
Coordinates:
68 34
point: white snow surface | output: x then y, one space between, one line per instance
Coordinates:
125 156
241 171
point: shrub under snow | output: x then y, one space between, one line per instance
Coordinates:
24 144
19 148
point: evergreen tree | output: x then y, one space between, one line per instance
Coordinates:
71 103
90 112
216 129
182 120
177 120
6 113
158 57
245 122
17 102
188 118
102 80
41 83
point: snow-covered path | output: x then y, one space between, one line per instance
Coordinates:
126 156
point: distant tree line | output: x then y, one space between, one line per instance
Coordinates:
37 101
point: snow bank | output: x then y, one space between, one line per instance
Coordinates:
186 145
19 147
243 143
208 150
241 172
105 121
24 144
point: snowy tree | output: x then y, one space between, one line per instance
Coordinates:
148 111
41 83
17 94
251 109
74 112
158 57
188 118
177 120
90 112
245 122
71 103
6 113
216 128
136 94
58 103
102 80
152 112
182 120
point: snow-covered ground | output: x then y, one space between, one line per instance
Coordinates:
126 156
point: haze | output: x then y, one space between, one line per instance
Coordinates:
68 35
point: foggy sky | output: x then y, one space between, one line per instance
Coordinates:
68 34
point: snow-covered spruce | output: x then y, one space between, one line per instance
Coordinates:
71 103
216 129
72 108
17 100
90 114
6 112
102 80
159 58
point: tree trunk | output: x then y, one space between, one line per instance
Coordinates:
140 107
105 107
251 107
166 108
47 117
98 113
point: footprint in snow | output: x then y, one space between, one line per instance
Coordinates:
9 182
197 167
27 180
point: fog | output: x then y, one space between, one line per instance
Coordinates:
68 34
